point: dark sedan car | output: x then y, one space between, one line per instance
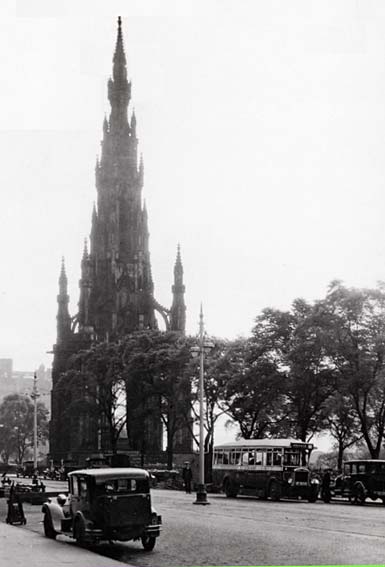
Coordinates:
362 479
104 504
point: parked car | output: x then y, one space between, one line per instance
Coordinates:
104 504
28 469
361 479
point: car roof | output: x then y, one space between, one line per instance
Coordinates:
365 461
110 473
263 443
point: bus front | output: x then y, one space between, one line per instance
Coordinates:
296 473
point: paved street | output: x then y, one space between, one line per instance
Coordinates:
247 531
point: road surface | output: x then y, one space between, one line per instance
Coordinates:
247 531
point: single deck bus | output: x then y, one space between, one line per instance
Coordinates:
267 468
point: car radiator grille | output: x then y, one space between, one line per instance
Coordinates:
301 476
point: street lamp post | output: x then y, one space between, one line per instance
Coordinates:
204 346
35 394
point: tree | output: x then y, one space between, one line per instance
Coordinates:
294 342
159 361
342 423
17 431
94 387
252 387
356 345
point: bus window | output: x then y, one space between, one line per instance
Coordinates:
248 457
218 458
259 457
269 458
235 457
251 457
277 457
225 457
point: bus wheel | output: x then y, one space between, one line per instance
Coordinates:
275 492
229 489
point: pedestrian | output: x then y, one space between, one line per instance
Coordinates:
187 477
326 479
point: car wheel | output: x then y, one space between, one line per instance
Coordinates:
80 533
275 491
148 542
313 497
230 491
48 528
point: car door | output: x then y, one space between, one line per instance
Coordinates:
74 494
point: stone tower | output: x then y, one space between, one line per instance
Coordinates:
116 287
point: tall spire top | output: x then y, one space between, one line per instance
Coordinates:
119 70
119 89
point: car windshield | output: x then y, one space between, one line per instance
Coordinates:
122 486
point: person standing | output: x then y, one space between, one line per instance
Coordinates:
325 491
187 477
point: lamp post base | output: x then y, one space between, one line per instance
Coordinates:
201 495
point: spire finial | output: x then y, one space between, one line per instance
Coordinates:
85 250
119 55
133 121
63 278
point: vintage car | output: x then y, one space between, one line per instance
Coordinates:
104 504
361 479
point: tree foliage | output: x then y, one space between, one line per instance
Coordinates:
356 345
252 387
17 426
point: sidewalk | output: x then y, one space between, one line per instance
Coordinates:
22 548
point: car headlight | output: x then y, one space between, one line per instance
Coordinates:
314 481
290 481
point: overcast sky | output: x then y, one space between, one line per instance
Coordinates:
262 126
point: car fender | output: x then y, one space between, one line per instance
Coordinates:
56 514
80 517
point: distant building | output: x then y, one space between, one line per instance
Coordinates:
116 286
21 382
